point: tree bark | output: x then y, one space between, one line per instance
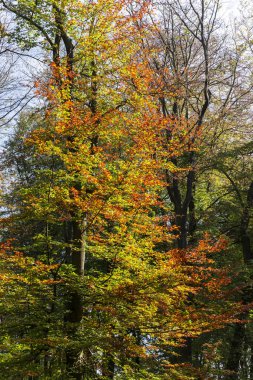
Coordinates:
236 346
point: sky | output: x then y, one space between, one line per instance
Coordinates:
230 8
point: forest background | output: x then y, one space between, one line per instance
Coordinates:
127 192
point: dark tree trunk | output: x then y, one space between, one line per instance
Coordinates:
236 346
192 222
236 351
251 361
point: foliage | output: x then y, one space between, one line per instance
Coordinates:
112 191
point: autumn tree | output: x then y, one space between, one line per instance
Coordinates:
203 74
101 155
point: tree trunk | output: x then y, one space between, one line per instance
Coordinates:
75 314
236 347
236 350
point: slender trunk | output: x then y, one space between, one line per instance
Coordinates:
192 222
251 361
75 314
79 240
236 346
235 354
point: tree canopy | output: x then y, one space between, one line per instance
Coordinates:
127 193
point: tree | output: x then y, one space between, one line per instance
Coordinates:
96 197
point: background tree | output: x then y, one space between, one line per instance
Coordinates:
207 69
